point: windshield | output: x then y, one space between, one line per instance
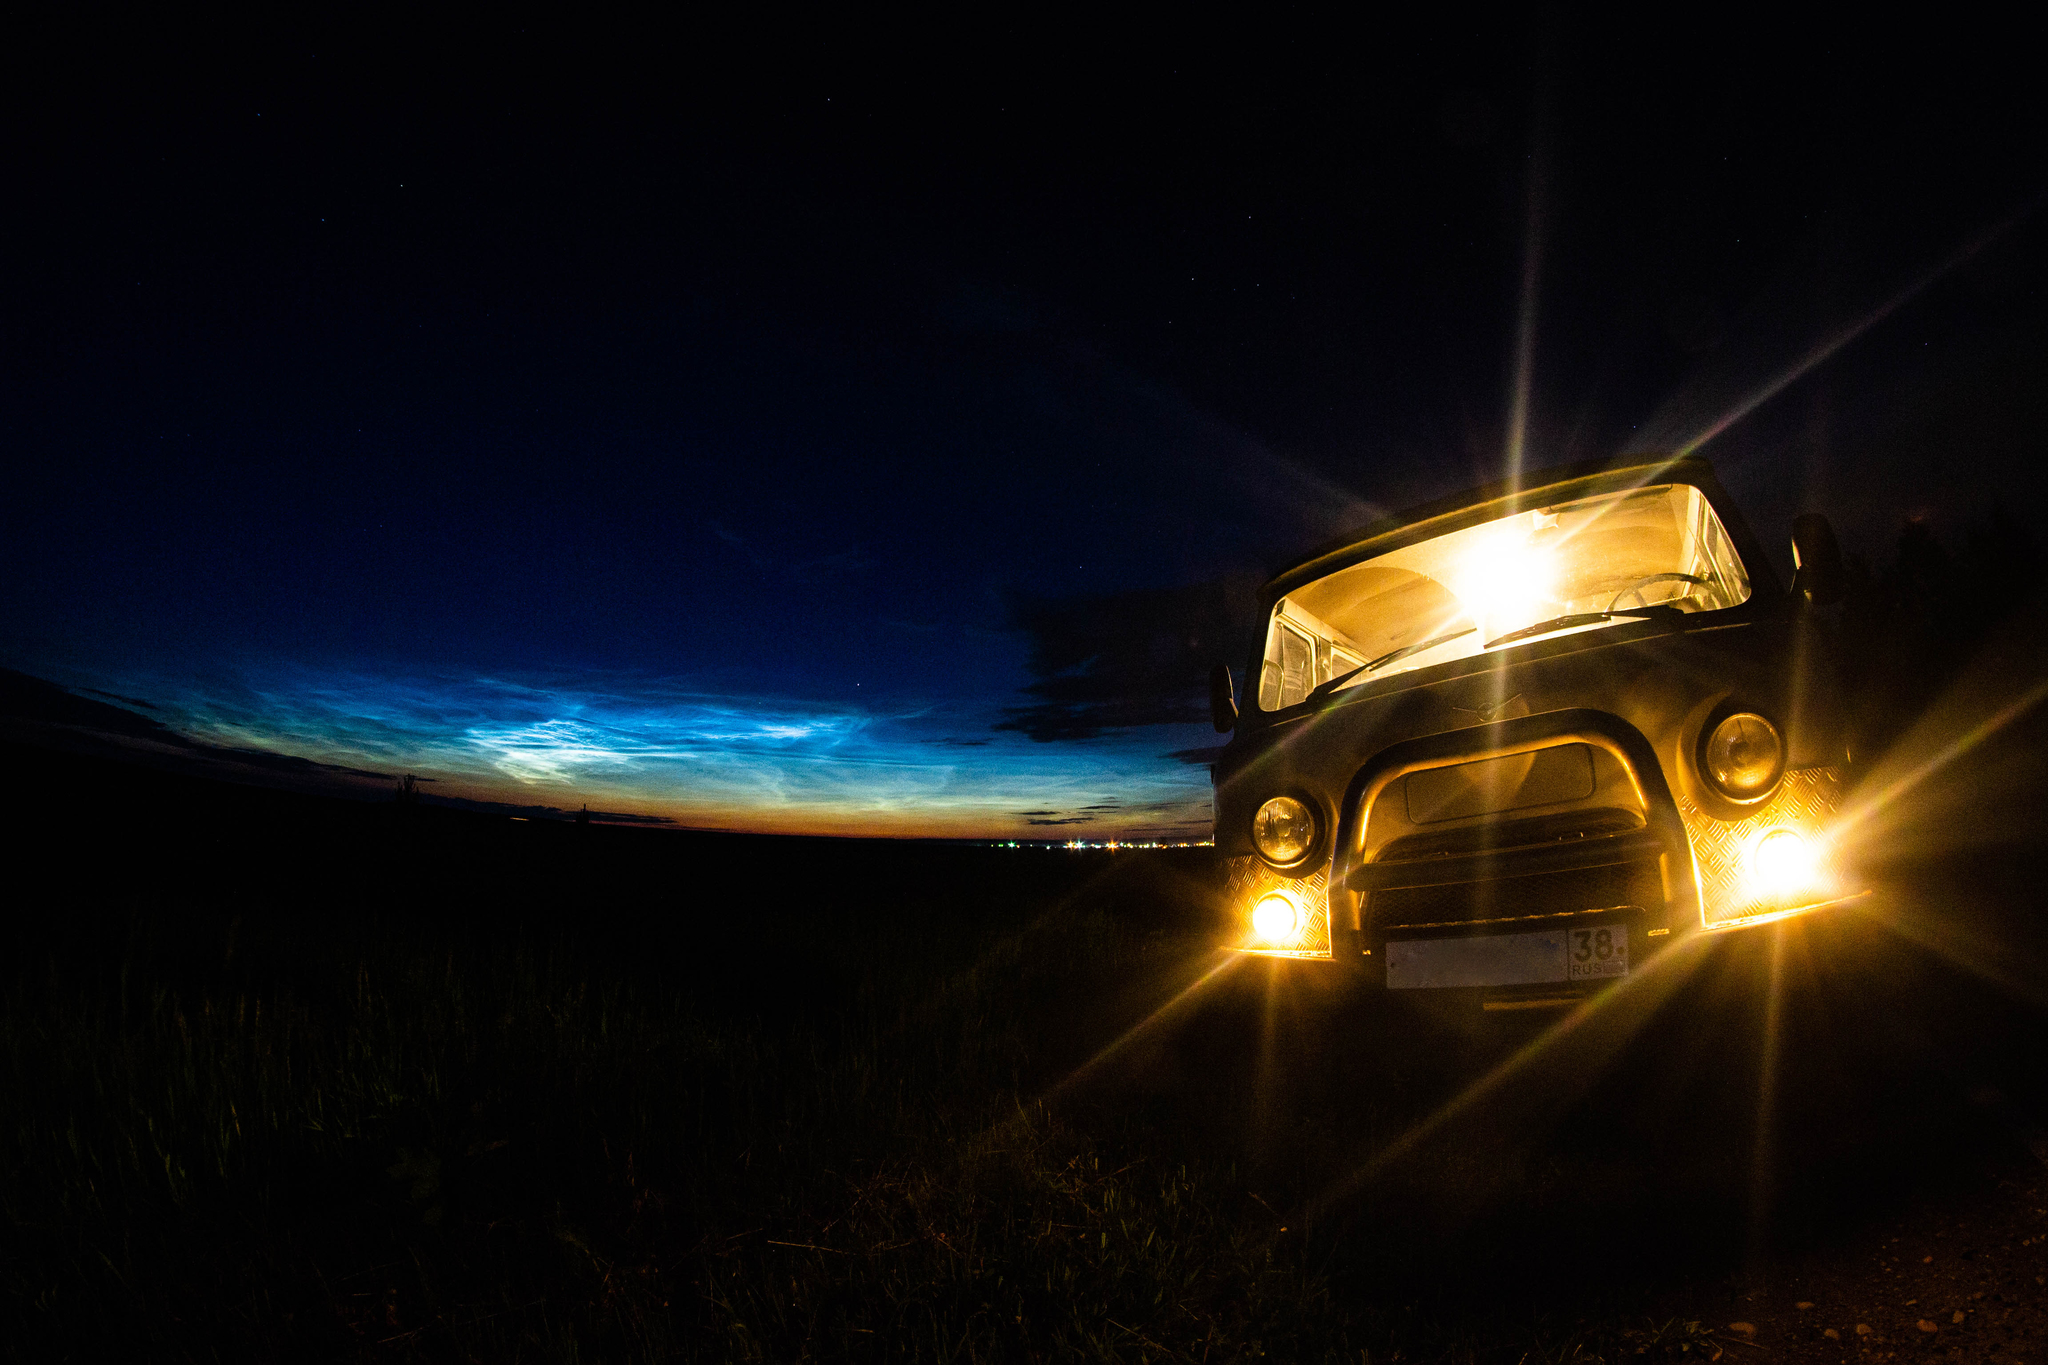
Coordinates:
1648 552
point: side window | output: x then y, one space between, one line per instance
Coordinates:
1727 582
1297 665
1291 668
1289 673
1299 659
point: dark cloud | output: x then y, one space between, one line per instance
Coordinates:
125 701
1066 820
1202 756
36 711
961 743
536 812
1117 661
34 699
292 763
1034 812
1107 805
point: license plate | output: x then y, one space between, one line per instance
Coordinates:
1509 959
1597 952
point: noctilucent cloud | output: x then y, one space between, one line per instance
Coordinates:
653 752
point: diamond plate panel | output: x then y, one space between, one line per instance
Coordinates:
1248 878
1805 801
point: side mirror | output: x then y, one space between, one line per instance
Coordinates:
1816 560
1222 700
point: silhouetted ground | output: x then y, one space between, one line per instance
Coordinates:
286 1077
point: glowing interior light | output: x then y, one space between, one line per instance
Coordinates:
1783 863
1274 918
1504 579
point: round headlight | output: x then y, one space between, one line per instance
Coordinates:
1744 756
1283 830
1781 863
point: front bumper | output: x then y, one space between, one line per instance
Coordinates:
1681 870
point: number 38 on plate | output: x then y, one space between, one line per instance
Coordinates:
1601 951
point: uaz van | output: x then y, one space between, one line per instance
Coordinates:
1515 742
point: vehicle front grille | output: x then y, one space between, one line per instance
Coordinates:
1542 895
1530 832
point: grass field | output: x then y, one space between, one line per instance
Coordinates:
289 1079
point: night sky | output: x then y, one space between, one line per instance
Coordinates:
881 431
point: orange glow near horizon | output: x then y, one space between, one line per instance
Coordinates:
646 752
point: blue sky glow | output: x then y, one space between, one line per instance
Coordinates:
651 747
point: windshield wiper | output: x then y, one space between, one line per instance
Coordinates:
1403 652
1660 612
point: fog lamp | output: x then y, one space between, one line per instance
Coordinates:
1283 830
1275 919
1743 757
1782 862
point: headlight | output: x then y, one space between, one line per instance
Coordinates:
1782 861
1786 866
1743 757
1283 830
1275 919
